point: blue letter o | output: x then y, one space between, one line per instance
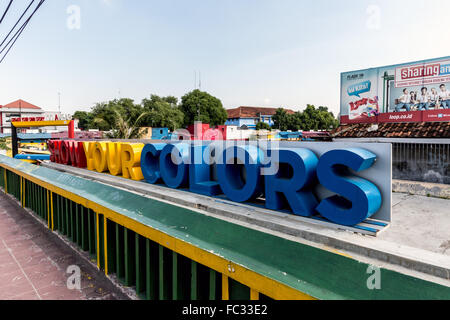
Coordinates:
175 175
240 181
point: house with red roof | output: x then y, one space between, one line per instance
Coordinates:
17 109
249 117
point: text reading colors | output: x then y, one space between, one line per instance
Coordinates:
239 173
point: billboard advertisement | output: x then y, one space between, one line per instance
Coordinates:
409 92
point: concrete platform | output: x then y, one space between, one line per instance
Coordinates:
435 190
34 261
420 222
417 242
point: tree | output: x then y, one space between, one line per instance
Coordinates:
162 112
127 128
104 116
281 120
310 119
201 106
262 126
84 119
318 119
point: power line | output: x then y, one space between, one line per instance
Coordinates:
12 29
19 32
6 11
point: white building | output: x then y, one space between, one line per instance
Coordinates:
17 109
30 112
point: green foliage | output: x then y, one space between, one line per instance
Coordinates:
123 117
310 119
3 145
127 128
281 120
162 112
104 114
262 126
201 106
153 112
84 119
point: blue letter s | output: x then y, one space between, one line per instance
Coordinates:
359 199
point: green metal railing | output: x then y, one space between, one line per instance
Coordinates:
167 252
155 272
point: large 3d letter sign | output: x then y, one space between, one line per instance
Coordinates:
244 173
200 180
357 198
230 173
150 162
294 192
173 165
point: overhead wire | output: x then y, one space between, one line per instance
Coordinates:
6 11
19 31
15 25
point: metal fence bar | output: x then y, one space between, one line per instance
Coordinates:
427 162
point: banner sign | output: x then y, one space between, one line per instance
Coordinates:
412 116
436 115
367 95
422 74
54 117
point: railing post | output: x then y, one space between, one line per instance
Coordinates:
98 240
105 237
225 290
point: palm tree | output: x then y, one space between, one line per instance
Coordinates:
125 128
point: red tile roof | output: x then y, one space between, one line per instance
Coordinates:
20 104
394 130
253 112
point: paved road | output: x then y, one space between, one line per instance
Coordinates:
33 263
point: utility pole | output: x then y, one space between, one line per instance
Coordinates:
20 117
195 80
59 102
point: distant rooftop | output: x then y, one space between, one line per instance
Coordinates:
253 112
20 104
394 130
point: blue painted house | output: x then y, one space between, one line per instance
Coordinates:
251 116
160 133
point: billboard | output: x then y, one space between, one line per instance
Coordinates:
409 92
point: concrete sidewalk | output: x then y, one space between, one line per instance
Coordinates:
33 262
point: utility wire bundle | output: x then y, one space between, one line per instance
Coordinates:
8 41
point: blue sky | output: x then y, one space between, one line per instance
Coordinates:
250 52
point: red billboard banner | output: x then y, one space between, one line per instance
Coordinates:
409 116
398 117
346 119
436 115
